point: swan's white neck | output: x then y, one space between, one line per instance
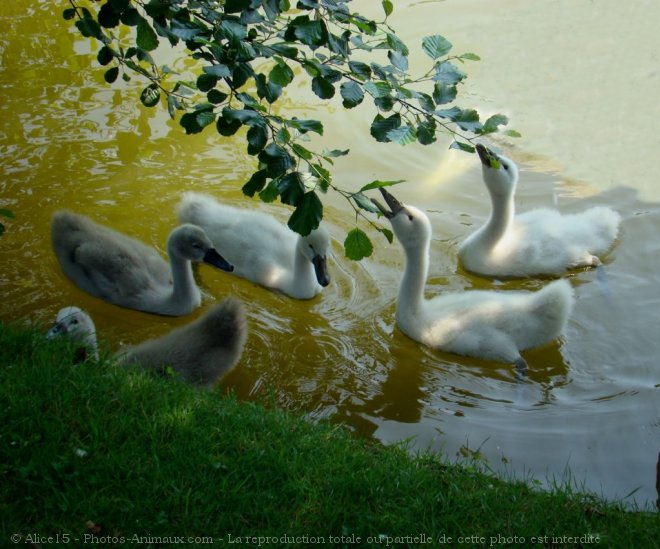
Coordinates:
185 293
411 290
304 276
500 220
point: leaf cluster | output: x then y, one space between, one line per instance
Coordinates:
248 51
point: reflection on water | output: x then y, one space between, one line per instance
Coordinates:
590 399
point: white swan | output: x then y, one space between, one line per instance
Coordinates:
261 248
126 272
537 242
485 324
200 352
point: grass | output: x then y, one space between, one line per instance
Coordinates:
104 455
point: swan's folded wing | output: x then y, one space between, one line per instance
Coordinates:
117 273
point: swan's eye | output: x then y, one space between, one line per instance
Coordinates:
410 217
506 167
196 246
74 321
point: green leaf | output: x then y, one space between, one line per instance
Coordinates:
291 188
403 135
339 44
321 178
359 69
388 7
227 127
301 152
395 43
130 17
470 57
378 184
195 122
322 87
69 14
241 73
312 33
111 75
216 96
335 153
387 233
512 133
444 93
206 82
352 94
270 193
462 146
381 126
4 212
307 215
491 125
105 55
365 203
468 120
399 60
266 89
377 89
218 70
357 245
108 17
436 46
277 160
281 74
146 36
257 137
89 28
304 126
448 73
150 95
236 6
426 132
256 183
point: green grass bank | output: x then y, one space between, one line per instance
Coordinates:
95 454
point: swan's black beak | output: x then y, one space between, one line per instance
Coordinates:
488 158
212 257
321 270
393 203
56 330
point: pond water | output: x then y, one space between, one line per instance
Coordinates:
580 80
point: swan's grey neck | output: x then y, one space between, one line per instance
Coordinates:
411 290
185 294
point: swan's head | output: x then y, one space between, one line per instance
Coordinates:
314 247
192 243
411 225
76 324
73 322
499 172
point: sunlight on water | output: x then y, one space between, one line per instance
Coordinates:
591 399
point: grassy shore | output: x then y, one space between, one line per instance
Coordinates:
98 454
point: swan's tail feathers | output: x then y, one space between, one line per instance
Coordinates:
553 305
190 207
604 223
